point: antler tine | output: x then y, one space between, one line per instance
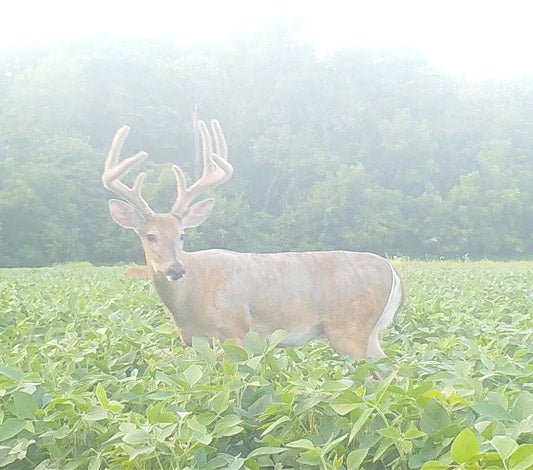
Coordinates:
221 155
207 149
221 145
113 170
217 169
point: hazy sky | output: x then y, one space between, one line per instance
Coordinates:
471 37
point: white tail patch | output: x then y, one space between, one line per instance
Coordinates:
393 305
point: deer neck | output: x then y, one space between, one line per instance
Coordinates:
174 293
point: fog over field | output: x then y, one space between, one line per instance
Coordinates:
364 149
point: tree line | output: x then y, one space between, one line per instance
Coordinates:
369 150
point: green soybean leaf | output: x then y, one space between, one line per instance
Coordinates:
10 428
390 432
504 445
414 434
310 457
60 433
193 374
252 464
359 423
101 395
220 402
136 436
228 426
492 411
261 451
522 458
277 337
25 405
141 450
275 424
203 348
301 444
355 458
95 463
522 406
383 387
11 372
434 417
255 343
465 446
97 413
347 401
217 462
235 353
434 465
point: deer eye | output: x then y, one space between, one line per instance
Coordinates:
151 237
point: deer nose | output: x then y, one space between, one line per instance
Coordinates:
176 271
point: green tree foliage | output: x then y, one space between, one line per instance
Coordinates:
363 150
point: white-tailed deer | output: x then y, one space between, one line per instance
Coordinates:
346 296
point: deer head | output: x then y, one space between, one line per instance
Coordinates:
161 233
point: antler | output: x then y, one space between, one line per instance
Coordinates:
114 169
217 169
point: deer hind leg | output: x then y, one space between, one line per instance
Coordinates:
349 340
392 307
359 335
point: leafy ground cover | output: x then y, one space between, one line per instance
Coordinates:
93 375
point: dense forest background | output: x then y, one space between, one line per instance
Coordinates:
371 150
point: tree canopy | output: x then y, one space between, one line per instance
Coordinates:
369 150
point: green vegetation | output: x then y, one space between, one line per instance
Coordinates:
363 150
93 376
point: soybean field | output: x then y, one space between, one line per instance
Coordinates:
93 375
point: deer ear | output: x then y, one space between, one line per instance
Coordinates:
197 214
124 214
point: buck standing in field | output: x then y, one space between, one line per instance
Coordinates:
346 296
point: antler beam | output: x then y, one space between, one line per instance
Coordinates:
114 170
217 169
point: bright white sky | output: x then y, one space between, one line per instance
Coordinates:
470 37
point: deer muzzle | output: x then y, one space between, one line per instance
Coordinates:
176 271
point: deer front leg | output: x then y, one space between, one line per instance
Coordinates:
221 324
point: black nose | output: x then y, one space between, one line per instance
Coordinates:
176 271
